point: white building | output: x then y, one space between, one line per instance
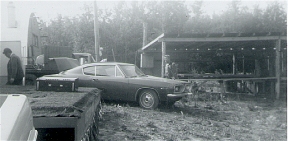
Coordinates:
19 30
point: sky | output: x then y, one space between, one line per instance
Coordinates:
49 9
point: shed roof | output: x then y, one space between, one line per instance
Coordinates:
217 41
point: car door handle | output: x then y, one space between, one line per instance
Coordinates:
94 79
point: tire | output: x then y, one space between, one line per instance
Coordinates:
148 99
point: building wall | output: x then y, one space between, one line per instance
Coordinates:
17 31
14 32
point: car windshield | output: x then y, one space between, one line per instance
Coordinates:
131 70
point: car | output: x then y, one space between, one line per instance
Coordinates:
16 118
126 82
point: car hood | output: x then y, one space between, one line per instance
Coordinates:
54 75
159 79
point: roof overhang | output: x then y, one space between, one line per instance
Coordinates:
214 40
221 39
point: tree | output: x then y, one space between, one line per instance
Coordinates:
275 18
121 27
83 34
120 31
127 20
166 16
57 33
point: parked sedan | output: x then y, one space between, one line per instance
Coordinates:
126 82
16 122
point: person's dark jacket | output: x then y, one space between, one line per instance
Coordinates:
14 68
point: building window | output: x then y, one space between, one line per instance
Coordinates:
35 40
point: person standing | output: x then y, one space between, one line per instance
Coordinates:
174 70
14 68
167 71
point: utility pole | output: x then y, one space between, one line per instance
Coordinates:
145 28
96 32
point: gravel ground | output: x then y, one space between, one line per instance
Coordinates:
242 119
237 118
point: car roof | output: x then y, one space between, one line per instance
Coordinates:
106 63
81 53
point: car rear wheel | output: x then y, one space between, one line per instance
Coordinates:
148 99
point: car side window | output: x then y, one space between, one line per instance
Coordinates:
118 72
105 71
89 71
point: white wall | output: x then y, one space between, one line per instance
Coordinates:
15 37
18 33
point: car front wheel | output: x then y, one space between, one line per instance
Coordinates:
148 99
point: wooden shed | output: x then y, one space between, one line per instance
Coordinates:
261 56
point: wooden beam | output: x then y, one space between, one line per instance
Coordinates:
152 42
278 68
163 58
205 51
222 39
232 79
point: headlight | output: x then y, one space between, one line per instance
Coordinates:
188 88
177 89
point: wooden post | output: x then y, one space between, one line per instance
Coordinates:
257 68
272 89
234 64
96 32
268 64
278 68
282 62
163 58
271 73
243 65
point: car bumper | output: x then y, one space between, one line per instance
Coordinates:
178 95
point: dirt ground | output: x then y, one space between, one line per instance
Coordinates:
238 117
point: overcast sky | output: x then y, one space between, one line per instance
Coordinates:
47 10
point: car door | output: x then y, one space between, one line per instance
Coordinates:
112 81
87 79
